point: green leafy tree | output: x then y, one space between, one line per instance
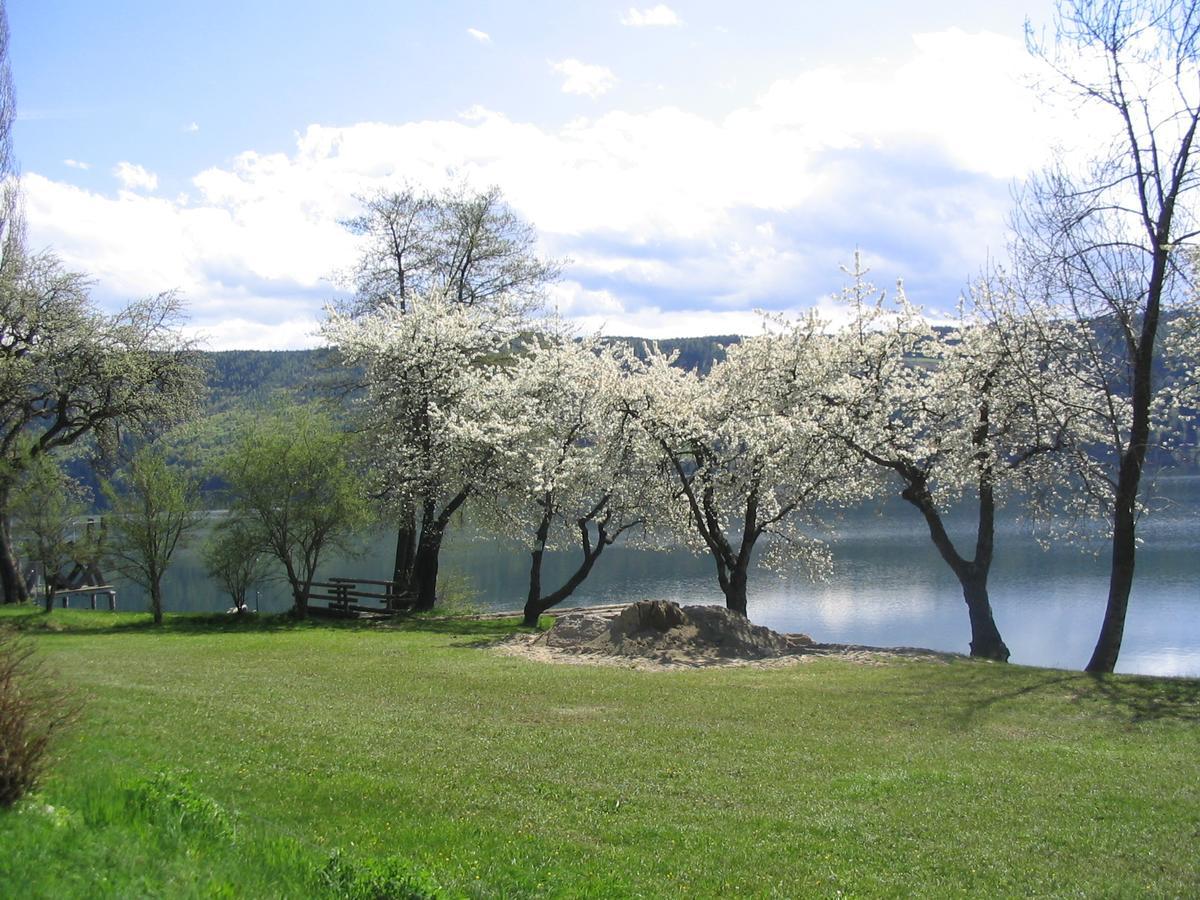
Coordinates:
47 505
291 482
235 558
154 508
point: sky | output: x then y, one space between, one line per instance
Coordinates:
690 162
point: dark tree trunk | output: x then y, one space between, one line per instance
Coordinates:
425 568
156 602
406 551
13 584
734 587
1124 542
429 547
972 575
986 642
536 605
299 603
1124 547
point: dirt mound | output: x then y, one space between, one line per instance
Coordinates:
657 630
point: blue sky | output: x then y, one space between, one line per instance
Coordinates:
693 161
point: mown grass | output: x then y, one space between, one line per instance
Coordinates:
410 753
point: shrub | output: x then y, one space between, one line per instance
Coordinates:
171 800
386 878
32 709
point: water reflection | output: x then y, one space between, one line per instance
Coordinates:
889 588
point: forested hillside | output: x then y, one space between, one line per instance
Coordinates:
248 379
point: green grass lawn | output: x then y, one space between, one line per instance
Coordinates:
216 757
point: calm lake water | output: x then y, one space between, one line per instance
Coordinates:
889 586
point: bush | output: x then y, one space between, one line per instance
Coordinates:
388 878
31 710
171 800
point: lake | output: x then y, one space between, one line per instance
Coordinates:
889 586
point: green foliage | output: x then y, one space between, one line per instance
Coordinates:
291 482
159 505
387 878
234 557
259 379
170 799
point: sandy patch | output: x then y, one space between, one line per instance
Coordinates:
660 636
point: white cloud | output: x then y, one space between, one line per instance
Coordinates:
134 177
661 15
482 36
583 78
191 127
76 164
675 223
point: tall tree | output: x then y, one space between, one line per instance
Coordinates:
47 505
154 507
469 248
1103 242
69 371
429 414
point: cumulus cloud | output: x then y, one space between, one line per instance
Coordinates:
583 78
675 223
76 164
661 15
134 177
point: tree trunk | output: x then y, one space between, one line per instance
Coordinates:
429 546
986 642
535 606
299 603
406 549
156 608
734 587
1124 545
425 567
13 584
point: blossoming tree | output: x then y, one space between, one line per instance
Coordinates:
743 452
429 417
949 415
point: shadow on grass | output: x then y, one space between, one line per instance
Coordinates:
1136 698
34 620
1145 699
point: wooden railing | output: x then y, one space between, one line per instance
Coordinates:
353 595
92 591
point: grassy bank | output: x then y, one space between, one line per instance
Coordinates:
217 757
